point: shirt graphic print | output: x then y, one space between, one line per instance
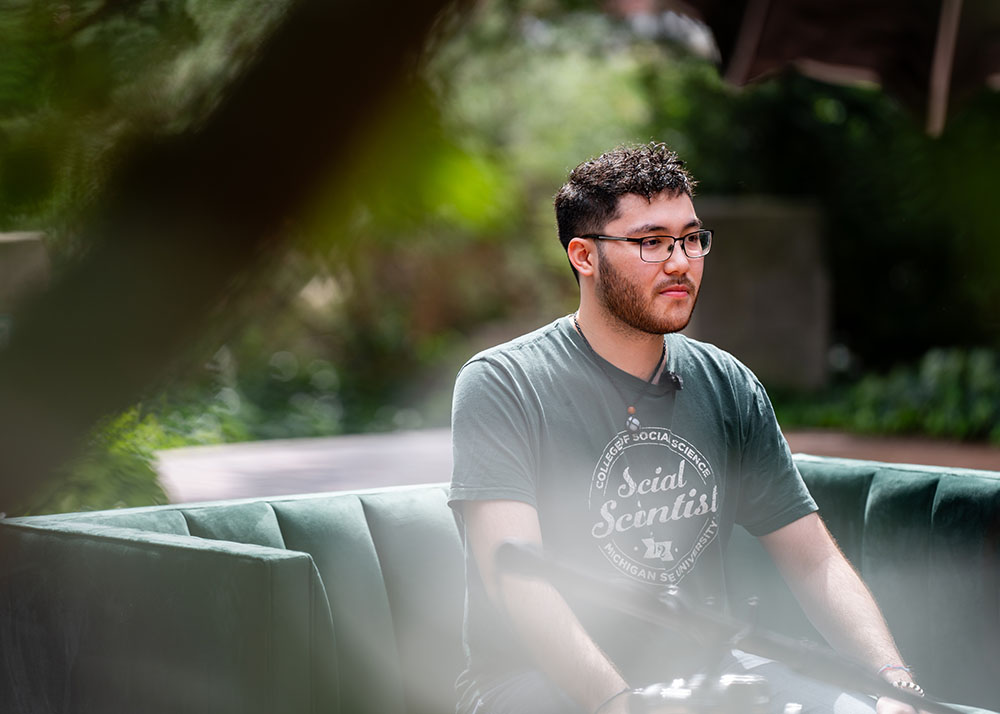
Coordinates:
653 504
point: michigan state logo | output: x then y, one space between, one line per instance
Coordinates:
653 501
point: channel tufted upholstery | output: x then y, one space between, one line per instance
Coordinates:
329 603
926 540
352 602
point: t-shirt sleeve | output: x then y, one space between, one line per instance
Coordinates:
772 492
492 437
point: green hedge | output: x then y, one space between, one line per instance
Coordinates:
115 469
951 393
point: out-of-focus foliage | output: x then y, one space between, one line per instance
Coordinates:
81 83
950 393
115 469
436 238
909 232
442 241
79 80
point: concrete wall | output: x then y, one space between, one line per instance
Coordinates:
766 293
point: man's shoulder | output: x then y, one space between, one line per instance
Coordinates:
709 358
538 347
516 372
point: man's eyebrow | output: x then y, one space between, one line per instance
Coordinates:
655 229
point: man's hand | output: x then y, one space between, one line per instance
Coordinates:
887 705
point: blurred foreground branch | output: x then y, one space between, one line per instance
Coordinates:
185 219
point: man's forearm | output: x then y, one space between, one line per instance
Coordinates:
549 630
559 645
844 611
833 596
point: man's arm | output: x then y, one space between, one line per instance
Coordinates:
540 616
834 597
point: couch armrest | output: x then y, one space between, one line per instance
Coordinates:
99 619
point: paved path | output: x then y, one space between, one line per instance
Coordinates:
269 468
900 450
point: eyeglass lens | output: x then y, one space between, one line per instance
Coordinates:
657 249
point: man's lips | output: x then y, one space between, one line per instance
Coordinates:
676 290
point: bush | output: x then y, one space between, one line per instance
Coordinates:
951 393
114 470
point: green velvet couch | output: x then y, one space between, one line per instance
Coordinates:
352 602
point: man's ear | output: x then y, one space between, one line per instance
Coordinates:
582 256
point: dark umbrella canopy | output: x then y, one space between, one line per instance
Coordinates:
929 54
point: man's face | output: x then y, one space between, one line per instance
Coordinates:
656 298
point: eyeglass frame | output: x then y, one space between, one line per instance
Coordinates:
670 254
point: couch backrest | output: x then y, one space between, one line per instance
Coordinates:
390 562
97 618
925 539
392 565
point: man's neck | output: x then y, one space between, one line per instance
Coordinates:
628 349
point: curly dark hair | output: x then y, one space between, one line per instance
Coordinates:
589 200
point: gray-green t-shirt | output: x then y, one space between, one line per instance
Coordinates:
538 420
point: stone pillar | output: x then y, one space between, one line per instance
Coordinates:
24 270
766 292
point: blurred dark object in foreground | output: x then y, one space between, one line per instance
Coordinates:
929 54
186 220
24 271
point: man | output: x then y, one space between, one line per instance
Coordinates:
630 451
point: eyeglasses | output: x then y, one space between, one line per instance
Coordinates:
658 249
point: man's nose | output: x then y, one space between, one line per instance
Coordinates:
678 262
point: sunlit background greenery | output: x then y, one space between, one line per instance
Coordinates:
440 240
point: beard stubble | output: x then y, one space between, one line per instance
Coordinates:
623 299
